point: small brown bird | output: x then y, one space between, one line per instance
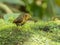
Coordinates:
21 19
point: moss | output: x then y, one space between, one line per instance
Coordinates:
31 33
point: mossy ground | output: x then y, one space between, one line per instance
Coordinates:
31 33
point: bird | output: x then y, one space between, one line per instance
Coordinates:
21 19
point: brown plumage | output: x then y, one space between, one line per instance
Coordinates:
21 19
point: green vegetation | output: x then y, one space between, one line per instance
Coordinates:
44 31
31 33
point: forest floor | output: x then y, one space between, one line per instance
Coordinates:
31 33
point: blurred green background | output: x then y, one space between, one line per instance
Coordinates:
46 31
